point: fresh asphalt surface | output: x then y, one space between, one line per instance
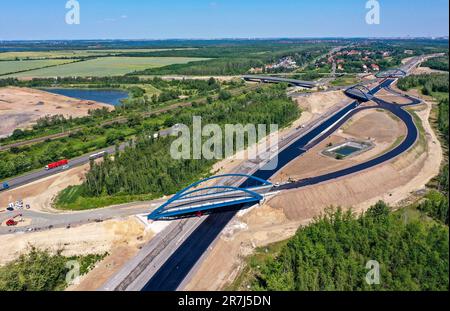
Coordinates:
176 268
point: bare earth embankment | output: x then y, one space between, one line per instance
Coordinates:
39 194
280 216
21 107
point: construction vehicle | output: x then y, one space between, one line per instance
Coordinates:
4 186
56 164
12 222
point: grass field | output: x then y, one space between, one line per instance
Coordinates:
17 66
105 66
345 80
70 199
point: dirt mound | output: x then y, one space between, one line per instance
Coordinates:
34 104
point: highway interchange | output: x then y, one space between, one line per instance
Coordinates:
171 258
172 274
172 267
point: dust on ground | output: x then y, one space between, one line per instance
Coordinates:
426 70
120 238
95 238
318 103
392 98
21 107
279 217
378 127
40 194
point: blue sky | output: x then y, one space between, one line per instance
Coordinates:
161 19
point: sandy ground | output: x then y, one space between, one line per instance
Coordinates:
426 70
371 125
392 98
40 194
280 216
120 238
21 107
95 238
318 103
128 237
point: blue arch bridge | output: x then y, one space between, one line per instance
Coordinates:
213 193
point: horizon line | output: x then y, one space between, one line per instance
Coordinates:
235 38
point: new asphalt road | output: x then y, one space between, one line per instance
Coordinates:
174 271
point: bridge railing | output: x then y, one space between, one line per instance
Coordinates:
195 198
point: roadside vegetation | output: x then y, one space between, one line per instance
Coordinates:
435 203
331 255
39 270
438 63
146 168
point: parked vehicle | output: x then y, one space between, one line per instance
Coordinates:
13 222
56 164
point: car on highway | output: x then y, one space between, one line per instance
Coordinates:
4 186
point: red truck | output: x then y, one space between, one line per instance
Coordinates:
56 164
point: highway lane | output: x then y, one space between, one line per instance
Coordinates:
172 273
39 174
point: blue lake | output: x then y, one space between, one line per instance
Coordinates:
111 97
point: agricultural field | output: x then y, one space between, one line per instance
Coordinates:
105 66
75 53
7 67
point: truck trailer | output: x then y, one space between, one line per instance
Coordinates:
56 164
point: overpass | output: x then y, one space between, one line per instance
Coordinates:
269 79
200 197
392 74
359 92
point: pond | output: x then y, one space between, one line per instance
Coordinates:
346 150
111 97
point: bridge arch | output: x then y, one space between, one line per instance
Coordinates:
174 206
359 92
392 73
